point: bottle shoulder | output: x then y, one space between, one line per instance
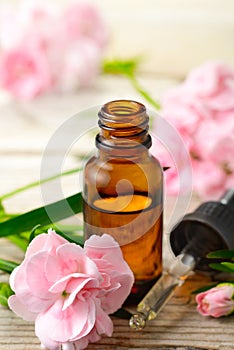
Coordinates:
139 173
111 164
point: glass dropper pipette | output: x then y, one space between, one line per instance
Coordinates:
162 291
208 228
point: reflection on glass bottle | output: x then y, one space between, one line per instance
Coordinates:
123 191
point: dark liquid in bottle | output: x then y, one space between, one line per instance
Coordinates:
135 221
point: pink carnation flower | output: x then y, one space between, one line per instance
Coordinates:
202 111
117 277
83 21
216 301
25 72
68 291
43 49
80 66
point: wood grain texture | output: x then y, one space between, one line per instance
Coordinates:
178 326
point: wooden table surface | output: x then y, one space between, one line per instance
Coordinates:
25 130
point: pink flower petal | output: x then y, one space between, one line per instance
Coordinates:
46 241
67 292
24 72
216 301
75 287
105 248
202 111
20 309
68 346
18 278
84 21
73 284
36 279
72 258
70 324
103 323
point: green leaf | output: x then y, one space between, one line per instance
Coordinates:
144 93
25 222
222 254
5 293
38 183
7 265
72 238
2 210
32 234
226 284
118 66
204 289
223 266
228 265
7 216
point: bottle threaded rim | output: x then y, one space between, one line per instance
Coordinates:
122 113
123 124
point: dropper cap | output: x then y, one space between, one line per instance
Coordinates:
210 227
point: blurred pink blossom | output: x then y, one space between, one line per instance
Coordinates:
202 111
69 41
208 179
68 291
83 21
217 301
24 72
80 67
28 20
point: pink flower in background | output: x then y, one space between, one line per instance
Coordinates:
202 111
210 80
25 72
83 21
69 43
68 291
216 302
224 154
203 171
80 67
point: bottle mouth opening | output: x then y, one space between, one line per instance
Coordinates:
122 110
123 124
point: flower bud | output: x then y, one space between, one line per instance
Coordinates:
217 301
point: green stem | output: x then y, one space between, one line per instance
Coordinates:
128 69
142 92
7 266
5 293
37 183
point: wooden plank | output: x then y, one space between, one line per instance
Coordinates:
178 327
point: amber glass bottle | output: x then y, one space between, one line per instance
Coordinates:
123 191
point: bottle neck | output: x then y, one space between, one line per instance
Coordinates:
124 128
